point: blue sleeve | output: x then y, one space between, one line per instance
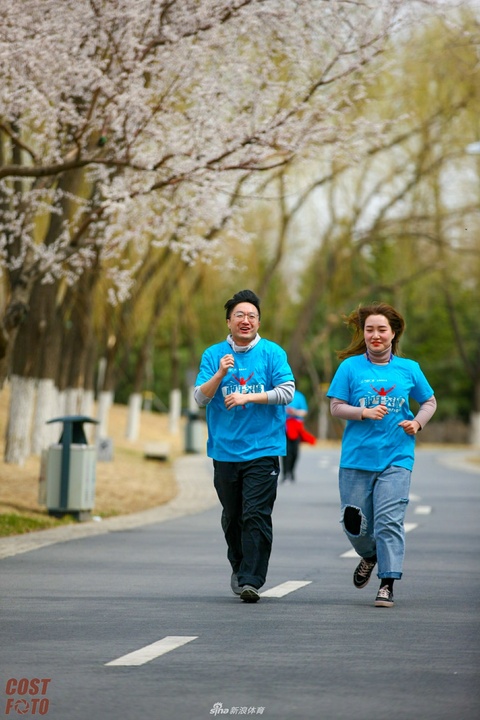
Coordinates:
280 370
340 385
208 365
422 389
299 401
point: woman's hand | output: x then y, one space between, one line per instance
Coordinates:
377 412
411 427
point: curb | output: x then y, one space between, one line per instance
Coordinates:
195 494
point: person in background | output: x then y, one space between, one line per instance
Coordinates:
245 382
371 390
296 433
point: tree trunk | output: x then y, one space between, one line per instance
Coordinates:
79 338
15 313
36 356
22 399
46 408
21 279
73 401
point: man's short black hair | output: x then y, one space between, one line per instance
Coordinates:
242 296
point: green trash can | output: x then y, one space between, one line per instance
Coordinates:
70 470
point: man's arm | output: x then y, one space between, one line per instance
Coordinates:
204 393
280 395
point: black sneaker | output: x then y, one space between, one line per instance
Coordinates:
234 584
362 573
384 597
249 594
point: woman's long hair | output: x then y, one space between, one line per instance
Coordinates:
356 322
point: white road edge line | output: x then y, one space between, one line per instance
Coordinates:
352 554
150 652
287 587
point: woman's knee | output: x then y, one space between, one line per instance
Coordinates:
354 521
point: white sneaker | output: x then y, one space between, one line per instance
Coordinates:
384 597
234 584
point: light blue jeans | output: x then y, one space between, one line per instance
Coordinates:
373 510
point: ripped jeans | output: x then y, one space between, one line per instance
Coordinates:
373 510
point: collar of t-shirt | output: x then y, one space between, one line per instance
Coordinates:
243 348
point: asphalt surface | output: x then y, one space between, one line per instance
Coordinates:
193 476
74 610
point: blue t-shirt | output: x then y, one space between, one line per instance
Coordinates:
377 444
253 430
299 402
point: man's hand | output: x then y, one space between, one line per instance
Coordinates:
236 399
226 362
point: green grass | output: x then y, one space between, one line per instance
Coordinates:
14 524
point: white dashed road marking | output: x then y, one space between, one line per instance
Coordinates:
423 510
285 588
150 652
349 554
172 642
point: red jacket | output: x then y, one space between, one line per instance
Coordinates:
296 431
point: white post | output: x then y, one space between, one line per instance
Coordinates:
175 409
133 418
475 429
322 421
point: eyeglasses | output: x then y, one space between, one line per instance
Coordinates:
240 315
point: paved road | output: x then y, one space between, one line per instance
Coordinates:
84 622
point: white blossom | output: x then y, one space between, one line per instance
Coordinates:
132 121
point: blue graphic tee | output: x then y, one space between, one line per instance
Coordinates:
377 444
299 402
249 431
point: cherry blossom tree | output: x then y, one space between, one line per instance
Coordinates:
130 123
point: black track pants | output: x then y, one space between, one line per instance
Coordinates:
247 492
